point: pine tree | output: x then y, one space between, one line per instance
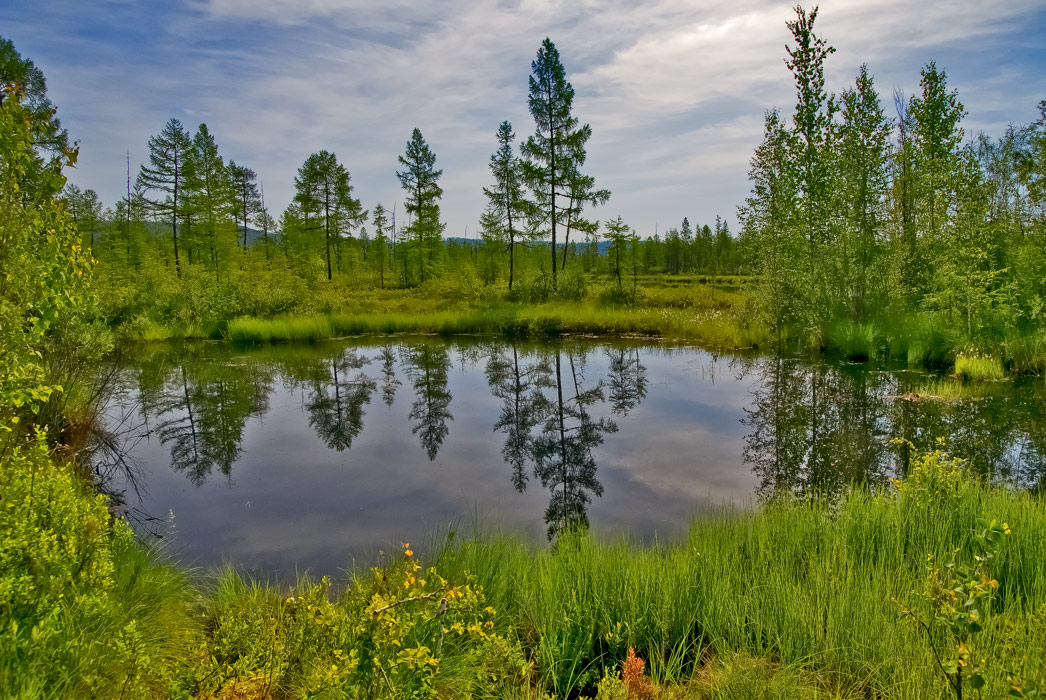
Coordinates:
246 197
620 235
556 151
381 240
508 207
167 173
323 191
210 192
420 180
85 211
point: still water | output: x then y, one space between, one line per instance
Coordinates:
284 458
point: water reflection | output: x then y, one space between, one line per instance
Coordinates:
427 365
816 428
336 404
693 427
201 407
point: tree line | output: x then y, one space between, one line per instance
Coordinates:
856 216
187 208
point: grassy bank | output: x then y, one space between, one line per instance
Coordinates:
714 312
795 599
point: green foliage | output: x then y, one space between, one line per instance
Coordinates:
957 604
43 267
84 610
401 631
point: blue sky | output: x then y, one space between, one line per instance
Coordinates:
674 90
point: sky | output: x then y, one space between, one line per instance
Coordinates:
674 90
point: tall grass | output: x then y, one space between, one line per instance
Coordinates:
979 368
857 341
809 585
712 327
1026 352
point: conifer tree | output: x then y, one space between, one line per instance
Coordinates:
166 173
420 179
323 191
619 234
556 151
246 197
508 207
211 196
381 241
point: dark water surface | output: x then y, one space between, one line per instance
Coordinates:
291 457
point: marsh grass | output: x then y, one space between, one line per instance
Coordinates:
951 389
979 368
810 585
856 341
708 325
1026 353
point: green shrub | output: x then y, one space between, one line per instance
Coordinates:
84 611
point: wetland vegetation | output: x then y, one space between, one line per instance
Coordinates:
804 461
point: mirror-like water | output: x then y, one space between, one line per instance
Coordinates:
282 458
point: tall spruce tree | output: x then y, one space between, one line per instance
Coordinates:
246 196
420 180
323 191
556 151
166 173
508 207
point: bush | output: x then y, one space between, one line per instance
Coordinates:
84 611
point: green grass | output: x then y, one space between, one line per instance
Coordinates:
950 389
979 368
797 598
808 585
709 326
1026 352
856 341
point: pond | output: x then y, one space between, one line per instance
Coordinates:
282 458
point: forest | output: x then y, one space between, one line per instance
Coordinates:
883 253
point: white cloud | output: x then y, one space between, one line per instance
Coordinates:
674 89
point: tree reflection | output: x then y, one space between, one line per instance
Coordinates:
427 365
523 407
202 409
389 383
563 450
815 428
336 405
627 381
